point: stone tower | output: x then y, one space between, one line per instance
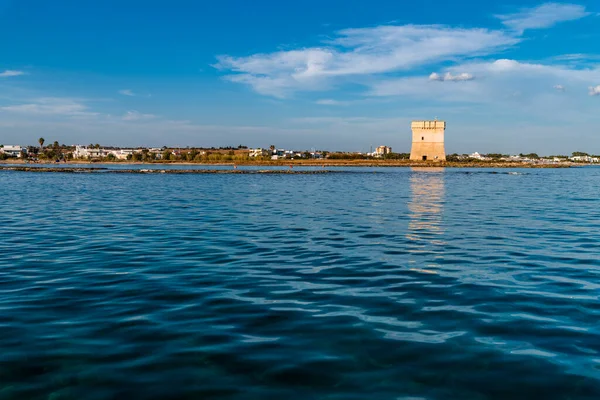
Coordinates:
428 141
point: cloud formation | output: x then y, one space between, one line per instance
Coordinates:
559 88
355 54
452 78
137 116
499 81
331 102
127 92
594 90
51 106
9 73
543 16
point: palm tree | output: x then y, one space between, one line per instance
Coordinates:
272 147
41 142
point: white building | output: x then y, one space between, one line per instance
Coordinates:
259 153
158 152
278 154
478 156
382 150
587 159
84 152
515 159
122 154
13 151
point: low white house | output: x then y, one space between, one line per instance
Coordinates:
259 153
279 154
587 159
88 152
515 159
13 151
84 152
122 154
478 156
157 152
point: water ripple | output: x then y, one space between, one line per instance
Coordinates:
404 284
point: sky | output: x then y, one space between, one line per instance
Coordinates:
509 77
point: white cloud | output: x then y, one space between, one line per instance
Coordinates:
452 78
543 16
529 70
576 57
8 73
332 102
504 65
137 116
356 54
424 87
126 92
594 90
51 106
570 57
497 82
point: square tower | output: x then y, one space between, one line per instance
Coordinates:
428 141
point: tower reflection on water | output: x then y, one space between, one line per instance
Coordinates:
426 206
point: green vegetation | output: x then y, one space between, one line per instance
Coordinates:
496 156
189 156
240 154
347 156
454 157
396 156
55 152
532 156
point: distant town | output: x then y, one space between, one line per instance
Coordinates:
56 152
428 145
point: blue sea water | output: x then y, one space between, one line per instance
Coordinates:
389 283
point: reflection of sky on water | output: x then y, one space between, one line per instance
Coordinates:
426 204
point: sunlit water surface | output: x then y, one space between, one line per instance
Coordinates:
364 284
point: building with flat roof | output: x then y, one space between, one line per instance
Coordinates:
382 151
428 141
13 151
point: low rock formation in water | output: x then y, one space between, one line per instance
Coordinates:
161 171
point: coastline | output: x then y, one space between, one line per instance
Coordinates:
316 163
92 170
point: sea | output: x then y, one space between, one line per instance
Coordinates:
363 283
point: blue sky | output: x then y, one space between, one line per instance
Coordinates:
331 74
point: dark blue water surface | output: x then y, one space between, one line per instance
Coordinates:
364 284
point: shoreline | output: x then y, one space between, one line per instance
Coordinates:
311 163
100 170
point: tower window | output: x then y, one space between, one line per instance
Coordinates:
422 137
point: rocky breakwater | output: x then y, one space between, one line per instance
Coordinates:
85 170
